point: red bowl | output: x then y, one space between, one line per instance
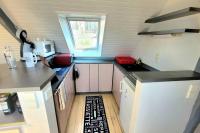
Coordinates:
125 60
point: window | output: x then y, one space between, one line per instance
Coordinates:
83 34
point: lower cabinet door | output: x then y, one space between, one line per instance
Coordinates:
82 83
94 77
105 77
117 77
70 91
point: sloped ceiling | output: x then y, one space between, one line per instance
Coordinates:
125 18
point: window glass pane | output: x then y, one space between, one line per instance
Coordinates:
85 34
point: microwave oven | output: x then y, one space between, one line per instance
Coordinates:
44 48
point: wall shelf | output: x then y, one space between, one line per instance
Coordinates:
175 31
173 15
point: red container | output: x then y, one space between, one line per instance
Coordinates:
62 60
125 60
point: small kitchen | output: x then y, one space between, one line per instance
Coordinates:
75 71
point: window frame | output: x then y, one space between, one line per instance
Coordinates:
85 19
62 15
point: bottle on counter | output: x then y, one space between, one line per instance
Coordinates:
9 57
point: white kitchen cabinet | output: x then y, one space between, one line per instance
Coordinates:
105 77
126 105
70 91
117 77
163 107
83 82
40 114
94 77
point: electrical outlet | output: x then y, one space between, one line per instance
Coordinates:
189 92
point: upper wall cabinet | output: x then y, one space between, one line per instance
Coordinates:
174 15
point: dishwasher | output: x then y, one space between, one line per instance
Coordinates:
127 89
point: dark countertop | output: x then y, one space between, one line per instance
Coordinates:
60 75
23 78
167 76
91 60
155 75
34 79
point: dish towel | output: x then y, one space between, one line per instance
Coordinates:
62 98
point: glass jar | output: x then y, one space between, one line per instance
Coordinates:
9 57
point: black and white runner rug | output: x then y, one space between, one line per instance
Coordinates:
95 120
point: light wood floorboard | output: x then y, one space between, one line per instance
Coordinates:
76 119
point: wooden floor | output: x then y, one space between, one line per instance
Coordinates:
76 120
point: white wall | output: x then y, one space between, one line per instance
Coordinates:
124 19
6 39
172 52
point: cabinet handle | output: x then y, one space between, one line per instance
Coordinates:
121 87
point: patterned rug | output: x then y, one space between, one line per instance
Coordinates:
95 120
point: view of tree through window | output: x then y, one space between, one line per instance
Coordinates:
85 34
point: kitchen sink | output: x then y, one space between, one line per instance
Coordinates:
134 67
131 68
